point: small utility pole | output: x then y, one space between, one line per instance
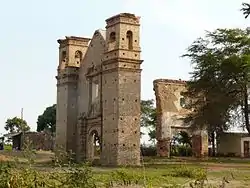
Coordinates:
22 132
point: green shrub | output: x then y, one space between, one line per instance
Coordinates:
189 172
8 147
80 177
148 151
125 177
62 158
184 151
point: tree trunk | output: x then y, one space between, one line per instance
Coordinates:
246 110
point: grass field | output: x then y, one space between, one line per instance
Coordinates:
155 172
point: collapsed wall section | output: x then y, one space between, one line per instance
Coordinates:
171 108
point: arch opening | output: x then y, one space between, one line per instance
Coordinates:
94 144
129 37
182 102
78 57
63 60
112 37
181 144
64 56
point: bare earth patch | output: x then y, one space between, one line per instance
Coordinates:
3 158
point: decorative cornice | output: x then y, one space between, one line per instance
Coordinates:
122 60
121 69
123 49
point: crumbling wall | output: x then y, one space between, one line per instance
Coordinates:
171 108
40 140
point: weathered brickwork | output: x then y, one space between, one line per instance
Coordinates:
171 108
98 92
38 140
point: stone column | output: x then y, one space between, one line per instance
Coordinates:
163 147
200 143
81 138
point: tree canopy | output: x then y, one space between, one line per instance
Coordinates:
47 120
148 117
148 113
16 124
183 138
246 9
219 82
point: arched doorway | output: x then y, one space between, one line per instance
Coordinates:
181 144
94 145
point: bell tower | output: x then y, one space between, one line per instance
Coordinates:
121 91
71 52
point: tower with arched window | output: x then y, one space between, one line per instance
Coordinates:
121 91
71 51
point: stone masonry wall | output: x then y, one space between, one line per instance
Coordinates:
89 73
170 106
40 140
110 64
121 92
71 53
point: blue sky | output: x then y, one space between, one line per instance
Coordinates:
29 51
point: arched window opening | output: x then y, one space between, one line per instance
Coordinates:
130 39
78 57
94 145
95 90
64 56
112 37
182 102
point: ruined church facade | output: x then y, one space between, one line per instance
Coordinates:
98 92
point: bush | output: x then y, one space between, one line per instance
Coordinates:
180 150
124 177
229 154
80 177
7 147
148 151
184 151
188 172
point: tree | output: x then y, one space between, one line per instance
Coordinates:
184 139
148 117
152 133
47 120
219 83
246 9
148 113
16 125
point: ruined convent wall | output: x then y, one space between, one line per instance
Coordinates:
170 105
89 95
91 64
